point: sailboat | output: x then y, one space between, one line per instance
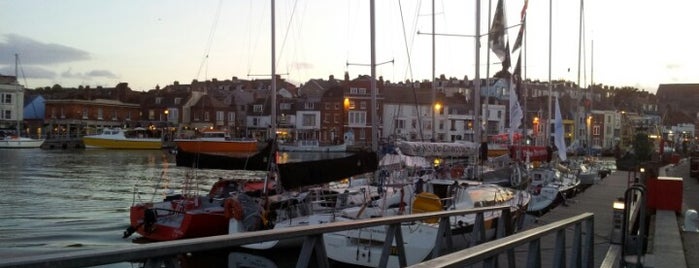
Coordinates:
14 140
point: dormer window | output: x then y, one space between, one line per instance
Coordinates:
158 100
257 108
178 101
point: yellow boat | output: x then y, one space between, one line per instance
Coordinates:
117 138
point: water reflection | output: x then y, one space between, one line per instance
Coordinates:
67 200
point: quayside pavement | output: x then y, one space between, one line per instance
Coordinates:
598 199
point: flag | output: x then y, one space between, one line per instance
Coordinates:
516 114
496 35
520 36
523 21
558 138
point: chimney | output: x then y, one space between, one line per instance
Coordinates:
331 78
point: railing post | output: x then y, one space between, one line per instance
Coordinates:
313 243
576 250
478 232
169 262
393 231
534 254
559 254
444 232
589 244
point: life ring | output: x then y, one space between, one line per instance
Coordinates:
233 209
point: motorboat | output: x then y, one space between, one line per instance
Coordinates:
118 138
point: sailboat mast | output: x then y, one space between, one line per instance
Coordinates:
477 78
434 86
18 108
548 119
273 90
374 116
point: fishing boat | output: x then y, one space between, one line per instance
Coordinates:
118 138
311 146
216 142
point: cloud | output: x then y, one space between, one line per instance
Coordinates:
101 73
30 72
303 65
88 75
32 52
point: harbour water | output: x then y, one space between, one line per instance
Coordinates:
67 200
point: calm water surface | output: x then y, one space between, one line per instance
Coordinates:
66 200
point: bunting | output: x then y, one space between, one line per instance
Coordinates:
496 36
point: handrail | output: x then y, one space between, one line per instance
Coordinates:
170 249
487 251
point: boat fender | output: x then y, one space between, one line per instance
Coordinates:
233 209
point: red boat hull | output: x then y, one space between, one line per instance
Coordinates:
173 225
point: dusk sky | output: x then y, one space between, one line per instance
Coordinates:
147 43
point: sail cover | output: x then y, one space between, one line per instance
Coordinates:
437 149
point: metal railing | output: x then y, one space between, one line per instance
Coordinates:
581 253
165 253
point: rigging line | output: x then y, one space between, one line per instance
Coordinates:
405 40
286 34
209 41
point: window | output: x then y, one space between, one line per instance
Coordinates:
206 117
7 114
353 90
311 106
128 116
7 98
285 106
219 116
255 121
327 118
308 120
441 124
99 113
399 123
85 113
362 91
63 114
114 115
151 115
595 130
197 116
327 106
231 117
357 118
336 118
362 105
257 108
352 105
53 112
178 100
158 100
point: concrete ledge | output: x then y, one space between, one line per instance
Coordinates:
668 250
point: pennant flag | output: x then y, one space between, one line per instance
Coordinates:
558 138
496 35
523 21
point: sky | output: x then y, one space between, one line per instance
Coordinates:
636 43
